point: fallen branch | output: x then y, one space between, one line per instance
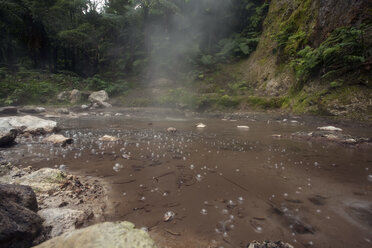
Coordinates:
130 181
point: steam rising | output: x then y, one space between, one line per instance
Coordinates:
174 41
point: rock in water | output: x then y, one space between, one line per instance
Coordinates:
32 110
330 128
20 225
171 130
103 105
58 139
27 123
10 110
169 216
243 127
108 235
98 96
63 111
108 138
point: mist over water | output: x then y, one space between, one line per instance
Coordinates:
177 41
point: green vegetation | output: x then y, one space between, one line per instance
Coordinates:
343 51
35 87
295 31
200 46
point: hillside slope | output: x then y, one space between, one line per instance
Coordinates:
290 26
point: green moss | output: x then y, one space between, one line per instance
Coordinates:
295 30
228 101
265 103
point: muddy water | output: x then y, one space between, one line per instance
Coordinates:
227 186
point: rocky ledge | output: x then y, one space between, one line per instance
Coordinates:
62 203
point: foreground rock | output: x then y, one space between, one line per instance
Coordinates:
28 123
7 138
61 220
65 201
58 139
269 244
332 136
20 225
108 235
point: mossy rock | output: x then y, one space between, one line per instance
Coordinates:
108 235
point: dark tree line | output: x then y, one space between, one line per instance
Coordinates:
126 36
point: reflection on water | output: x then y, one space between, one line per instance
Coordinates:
220 185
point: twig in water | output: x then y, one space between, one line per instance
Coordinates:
230 181
173 233
163 175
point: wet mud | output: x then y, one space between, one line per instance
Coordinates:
226 186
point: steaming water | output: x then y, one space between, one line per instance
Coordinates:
227 186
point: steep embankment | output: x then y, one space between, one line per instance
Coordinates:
331 85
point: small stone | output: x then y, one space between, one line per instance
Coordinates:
330 128
168 216
171 130
108 138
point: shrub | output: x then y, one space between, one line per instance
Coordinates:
342 51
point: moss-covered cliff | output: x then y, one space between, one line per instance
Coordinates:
316 55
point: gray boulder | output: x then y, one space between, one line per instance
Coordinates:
7 133
98 96
60 220
20 225
27 123
19 194
10 110
84 107
63 96
103 105
7 138
58 139
63 111
108 235
75 96
32 110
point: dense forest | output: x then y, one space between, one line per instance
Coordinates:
203 45
124 37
